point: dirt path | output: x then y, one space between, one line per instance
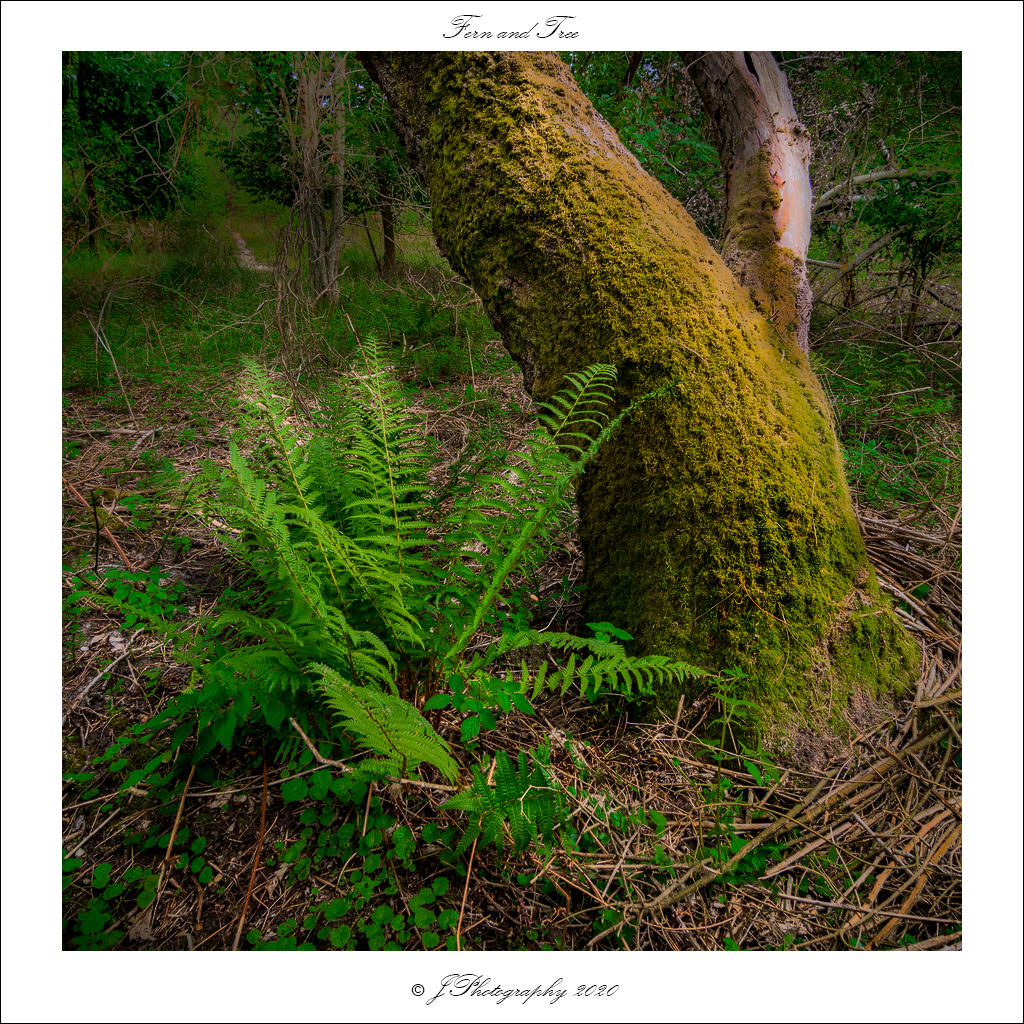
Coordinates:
245 254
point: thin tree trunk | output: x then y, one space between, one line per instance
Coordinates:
849 291
373 248
916 287
318 96
338 159
387 220
387 215
766 155
92 206
88 167
716 525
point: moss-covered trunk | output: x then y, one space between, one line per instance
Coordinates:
717 525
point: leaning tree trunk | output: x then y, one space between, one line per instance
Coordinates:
716 525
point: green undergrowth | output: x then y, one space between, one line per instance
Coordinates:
355 623
363 591
360 591
147 334
367 874
184 313
897 411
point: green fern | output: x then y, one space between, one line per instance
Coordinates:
523 798
335 583
388 725
607 667
368 599
324 525
528 508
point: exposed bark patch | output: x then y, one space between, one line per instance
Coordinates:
766 153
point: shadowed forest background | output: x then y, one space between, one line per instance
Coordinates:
327 678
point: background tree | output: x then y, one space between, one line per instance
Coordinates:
315 136
886 169
766 154
762 148
292 148
382 179
129 128
717 525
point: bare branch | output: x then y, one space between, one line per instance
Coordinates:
866 179
820 291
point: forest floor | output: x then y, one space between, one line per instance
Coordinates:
857 848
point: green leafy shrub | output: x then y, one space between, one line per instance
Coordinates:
137 595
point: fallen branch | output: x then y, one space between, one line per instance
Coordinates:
800 817
106 529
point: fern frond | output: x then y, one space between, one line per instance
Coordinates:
523 798
386 724
607 666
253 508
393 449
584 404
556 463
355 571
252 625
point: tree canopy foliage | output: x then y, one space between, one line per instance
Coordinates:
888 163
129 128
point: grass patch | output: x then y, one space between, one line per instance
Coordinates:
897 410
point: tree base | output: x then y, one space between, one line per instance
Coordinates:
808 703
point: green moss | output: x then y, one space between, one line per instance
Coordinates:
754 191
717 525
75 758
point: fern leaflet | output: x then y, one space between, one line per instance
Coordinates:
523 798
388 725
